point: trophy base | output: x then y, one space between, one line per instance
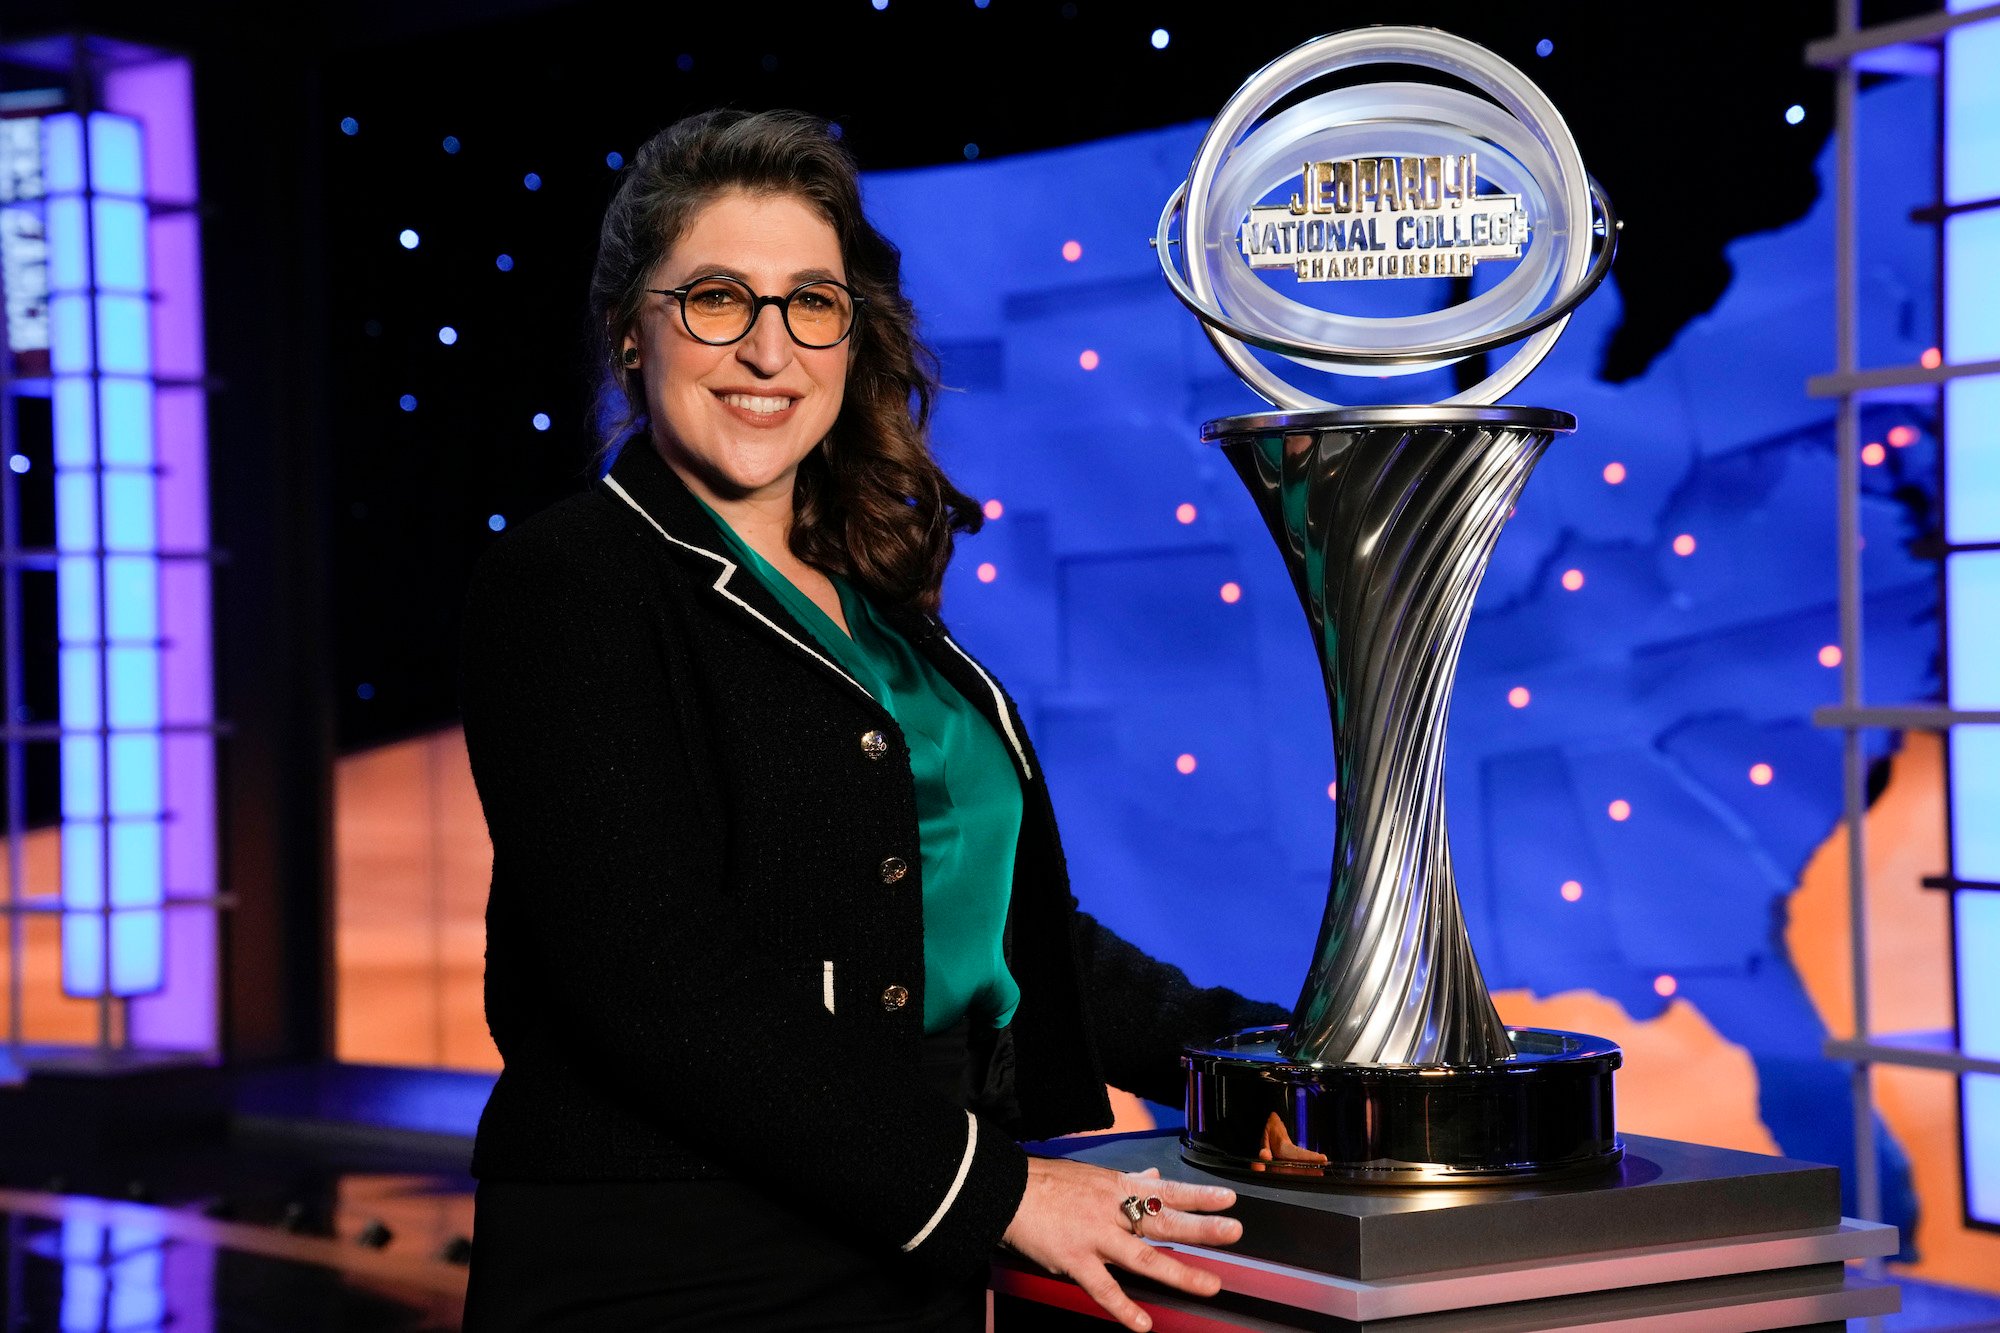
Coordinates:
1544 1114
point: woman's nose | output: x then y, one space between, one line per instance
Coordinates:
768 345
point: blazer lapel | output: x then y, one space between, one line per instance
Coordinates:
641 480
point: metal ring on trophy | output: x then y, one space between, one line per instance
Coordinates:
1214 321
1437 129
1403 119
1530 111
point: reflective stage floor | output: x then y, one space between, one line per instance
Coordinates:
247 1239
267 1238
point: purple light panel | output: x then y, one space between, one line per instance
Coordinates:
183 1013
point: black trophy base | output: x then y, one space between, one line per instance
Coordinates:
1675 1235
1545 1114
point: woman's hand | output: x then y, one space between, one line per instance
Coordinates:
1070 1223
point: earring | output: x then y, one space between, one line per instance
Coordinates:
631 357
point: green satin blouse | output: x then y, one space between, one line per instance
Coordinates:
968 797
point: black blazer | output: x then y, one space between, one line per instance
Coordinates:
702 957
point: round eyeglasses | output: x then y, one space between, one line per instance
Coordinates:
719 310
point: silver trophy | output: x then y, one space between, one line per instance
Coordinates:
1395 1067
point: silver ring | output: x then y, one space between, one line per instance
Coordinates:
1137 1210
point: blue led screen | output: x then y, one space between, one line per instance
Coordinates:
1972 578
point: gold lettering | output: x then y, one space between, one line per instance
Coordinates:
1461 178
1392 184
1413 181
1343 186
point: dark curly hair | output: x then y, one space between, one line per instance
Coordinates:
874 506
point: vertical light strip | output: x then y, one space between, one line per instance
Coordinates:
108 566
1972 578
159 94
78 614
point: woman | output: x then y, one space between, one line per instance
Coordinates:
781 954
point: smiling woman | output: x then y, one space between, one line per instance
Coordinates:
772 203
782 959
736 401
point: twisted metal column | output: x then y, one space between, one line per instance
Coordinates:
1386 518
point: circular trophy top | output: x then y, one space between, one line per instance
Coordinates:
1391 180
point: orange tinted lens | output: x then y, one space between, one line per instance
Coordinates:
820 313
718 309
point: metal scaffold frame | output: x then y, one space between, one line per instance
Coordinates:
101 182
1912 46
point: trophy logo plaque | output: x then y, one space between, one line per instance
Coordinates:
1395 1067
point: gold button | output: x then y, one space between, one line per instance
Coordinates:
895 998
874 744
894 869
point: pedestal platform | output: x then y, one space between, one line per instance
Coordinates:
1675 1235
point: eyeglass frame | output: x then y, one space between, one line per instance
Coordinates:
757 304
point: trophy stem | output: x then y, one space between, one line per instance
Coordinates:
1386 518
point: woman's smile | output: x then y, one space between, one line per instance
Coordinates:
757 409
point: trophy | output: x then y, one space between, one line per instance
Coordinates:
1395 1068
